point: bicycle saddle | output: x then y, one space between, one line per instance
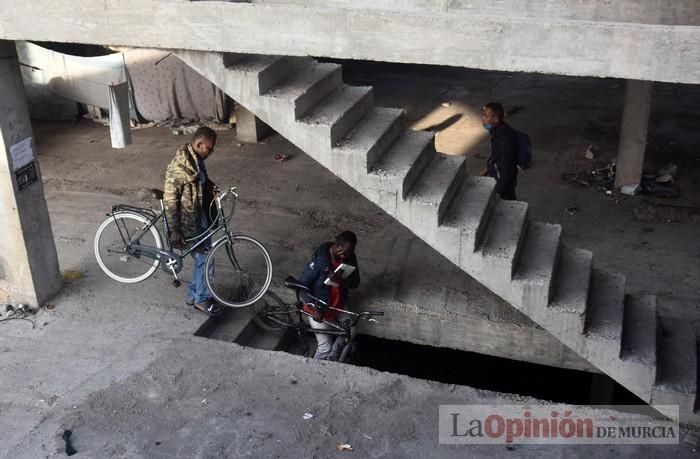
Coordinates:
291 282
157 194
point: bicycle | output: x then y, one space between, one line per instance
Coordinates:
129 249
271 313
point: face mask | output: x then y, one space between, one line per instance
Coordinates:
488 126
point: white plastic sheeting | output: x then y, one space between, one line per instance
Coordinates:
88 80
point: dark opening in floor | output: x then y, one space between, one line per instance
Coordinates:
439 364
486 372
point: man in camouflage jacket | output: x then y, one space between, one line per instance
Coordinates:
187 195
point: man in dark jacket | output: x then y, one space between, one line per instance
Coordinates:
503 161
323 263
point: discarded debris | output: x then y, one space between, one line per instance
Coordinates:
307 416
188 127
669 169
282 158
446 104
650 186
344 447
50 306
572 210
69 447
630 190
19 312
589 152
665 178
602 178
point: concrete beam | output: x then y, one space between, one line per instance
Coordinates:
678 12
633 135
425 36
27 251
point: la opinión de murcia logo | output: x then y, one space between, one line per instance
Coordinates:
546 424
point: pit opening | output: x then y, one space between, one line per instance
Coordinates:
443 365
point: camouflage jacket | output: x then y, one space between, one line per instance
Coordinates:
184 195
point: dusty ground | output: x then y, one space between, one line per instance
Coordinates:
117 364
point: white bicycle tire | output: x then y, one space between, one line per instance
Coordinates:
154 232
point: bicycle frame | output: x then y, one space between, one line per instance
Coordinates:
174 261
345 329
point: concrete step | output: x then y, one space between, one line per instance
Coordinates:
394 174
605 311
637 368
677 368
336 115
570 295
367 142
467 218
306 87
501 246
639 330
267 70
426 203
254 336
572 281
537 263
227 326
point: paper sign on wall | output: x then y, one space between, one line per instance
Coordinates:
21 153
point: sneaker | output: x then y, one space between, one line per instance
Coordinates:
208 307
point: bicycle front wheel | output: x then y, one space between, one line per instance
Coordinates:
238 271
113 250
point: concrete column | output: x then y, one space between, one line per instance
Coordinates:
27 250
633 136
249 128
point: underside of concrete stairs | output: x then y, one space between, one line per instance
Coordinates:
493 241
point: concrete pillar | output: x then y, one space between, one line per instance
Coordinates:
249 128
27 250
633 136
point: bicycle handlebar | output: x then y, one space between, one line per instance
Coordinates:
223 194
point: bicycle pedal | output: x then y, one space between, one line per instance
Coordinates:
176 283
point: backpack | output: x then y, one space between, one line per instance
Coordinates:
524 150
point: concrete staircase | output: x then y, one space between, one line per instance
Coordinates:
522 261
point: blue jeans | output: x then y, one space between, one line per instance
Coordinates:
198 291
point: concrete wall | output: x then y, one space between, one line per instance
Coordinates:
457 37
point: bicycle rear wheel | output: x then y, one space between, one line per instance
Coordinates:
238 271
112 247
271 305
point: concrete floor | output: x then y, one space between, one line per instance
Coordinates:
117 363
